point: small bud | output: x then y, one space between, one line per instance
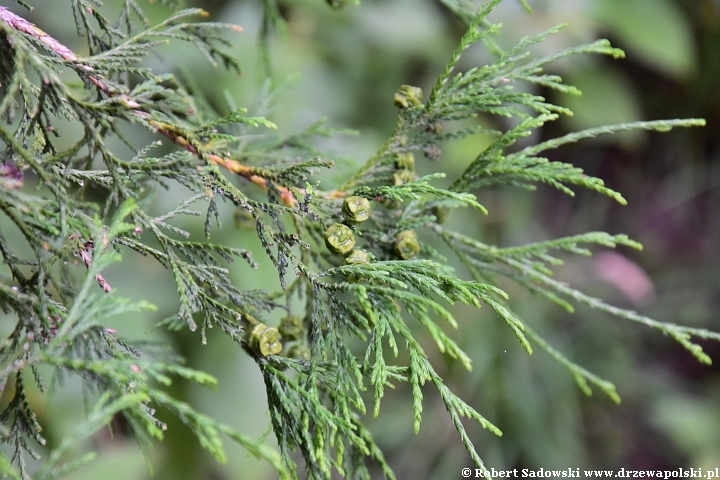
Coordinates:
441 214
291 328
264 340
11 176
405 161
339 238
436 127
358 257
432 152
406 244
356 209
408 96
401 177
301 352
37 31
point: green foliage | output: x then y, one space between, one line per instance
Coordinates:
79 209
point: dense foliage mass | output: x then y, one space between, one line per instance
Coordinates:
355 255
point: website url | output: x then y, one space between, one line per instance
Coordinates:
577 473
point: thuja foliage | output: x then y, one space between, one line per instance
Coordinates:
354 261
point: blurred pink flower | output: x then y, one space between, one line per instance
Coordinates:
626 275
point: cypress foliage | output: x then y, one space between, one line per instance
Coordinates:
351 252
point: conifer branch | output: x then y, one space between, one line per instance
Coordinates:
169 131
365 273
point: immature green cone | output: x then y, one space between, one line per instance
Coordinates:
401 177
291 328
339 239
300 352
441 214
408 96
357 257
406 244
356 209
264 340
405 160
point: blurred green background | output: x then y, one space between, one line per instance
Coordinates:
346 65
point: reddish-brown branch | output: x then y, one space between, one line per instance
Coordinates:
234 166
22 25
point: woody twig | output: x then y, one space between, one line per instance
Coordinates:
169 131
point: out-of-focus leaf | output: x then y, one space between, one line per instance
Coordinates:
606 99
691 423
654 30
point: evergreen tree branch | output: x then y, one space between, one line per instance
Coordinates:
172 132
365 276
